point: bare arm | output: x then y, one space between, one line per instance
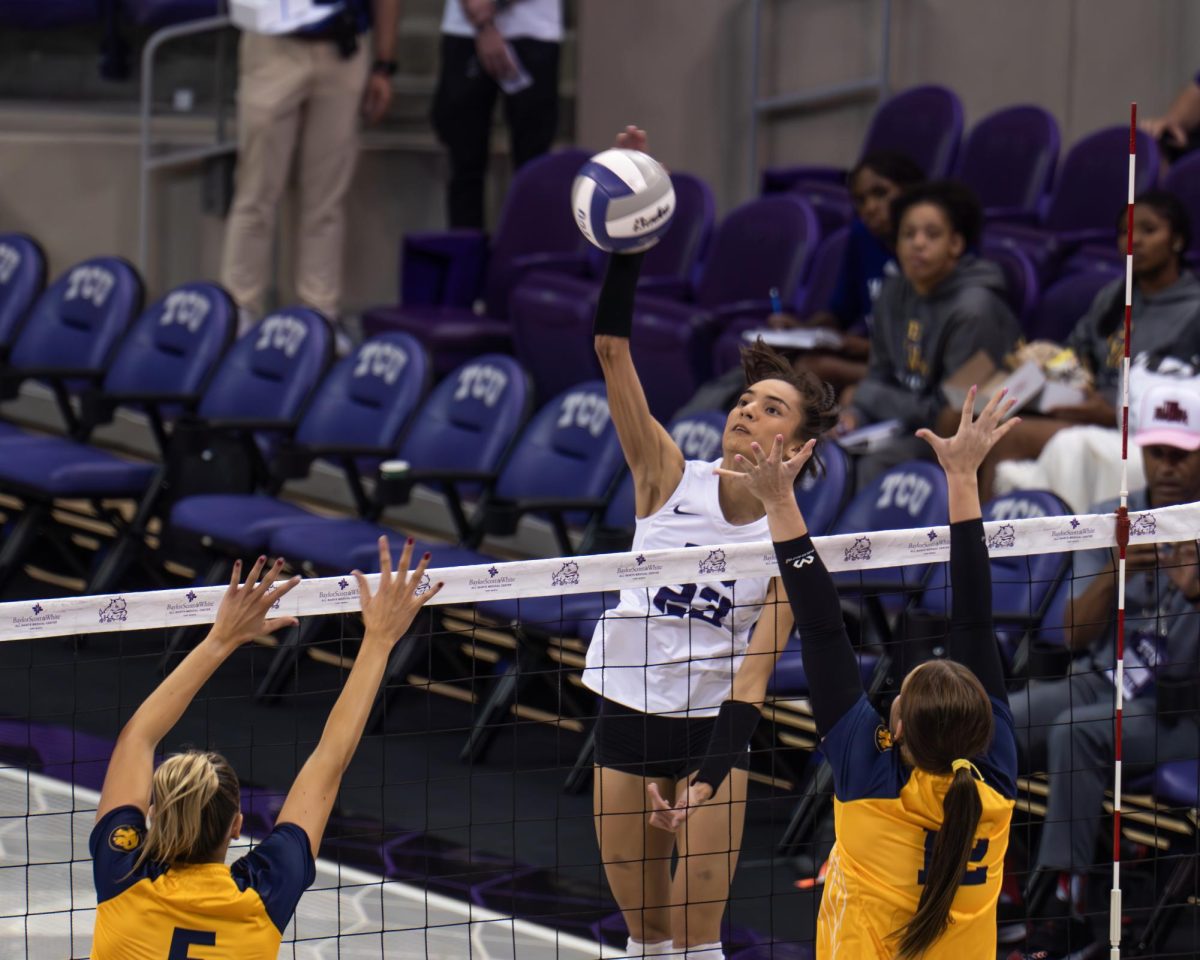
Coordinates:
239 619
377 95
1181 118
767 642
653 458
387 21
386 616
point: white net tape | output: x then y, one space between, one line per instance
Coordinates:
20 620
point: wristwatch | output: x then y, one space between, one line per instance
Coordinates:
386 67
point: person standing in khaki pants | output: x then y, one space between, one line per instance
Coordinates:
300 94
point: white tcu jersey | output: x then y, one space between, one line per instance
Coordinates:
675 649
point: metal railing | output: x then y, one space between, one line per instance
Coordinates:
875 85
152 161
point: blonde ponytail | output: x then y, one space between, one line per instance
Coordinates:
196 797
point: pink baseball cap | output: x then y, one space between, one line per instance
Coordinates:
1170 416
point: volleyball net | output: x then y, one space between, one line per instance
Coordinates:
464 826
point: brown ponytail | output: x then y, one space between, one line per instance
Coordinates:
196 797
945 716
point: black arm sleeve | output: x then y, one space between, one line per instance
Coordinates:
834 682
614 309
972 632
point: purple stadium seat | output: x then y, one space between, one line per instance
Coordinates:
50 14
357 413
1092 186
445 274
1183 180
562 466
1020 277
823 272
912 494
153 14
1063 304
1022 586
831 203
551 313
1088 197
162 367
762 244
22 277
925 123
1008 160
71 331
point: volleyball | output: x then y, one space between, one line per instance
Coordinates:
623 201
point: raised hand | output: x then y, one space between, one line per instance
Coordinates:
390 612
632 138
242 614
769 477
670 817
966 450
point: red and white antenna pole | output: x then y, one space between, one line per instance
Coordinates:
1114 898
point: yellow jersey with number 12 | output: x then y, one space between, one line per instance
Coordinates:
886 817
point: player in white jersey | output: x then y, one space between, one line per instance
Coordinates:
682 671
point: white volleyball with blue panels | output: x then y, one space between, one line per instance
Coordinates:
623 200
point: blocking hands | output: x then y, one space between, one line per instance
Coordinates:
769 477
242 615
966 450
389 612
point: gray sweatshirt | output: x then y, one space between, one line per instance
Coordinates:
1166 323
917 342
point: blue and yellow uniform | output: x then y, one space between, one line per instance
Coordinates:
195 911
886 813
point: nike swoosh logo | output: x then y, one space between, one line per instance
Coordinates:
685 513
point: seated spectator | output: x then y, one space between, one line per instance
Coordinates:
1166 322
944 306
1065 726
870 257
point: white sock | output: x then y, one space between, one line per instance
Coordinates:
639 948
706 951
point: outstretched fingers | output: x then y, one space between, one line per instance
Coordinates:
802 456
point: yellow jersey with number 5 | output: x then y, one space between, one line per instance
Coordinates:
195 911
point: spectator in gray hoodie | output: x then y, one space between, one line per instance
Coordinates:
1166 323
945 305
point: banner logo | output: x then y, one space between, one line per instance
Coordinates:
567 576
115 611
861 550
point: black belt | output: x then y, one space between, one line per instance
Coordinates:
341 31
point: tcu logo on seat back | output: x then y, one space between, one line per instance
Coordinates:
481 381
585 410
186 308
281 332
1016 508
10 259
698 441
908 491
89 283
382 360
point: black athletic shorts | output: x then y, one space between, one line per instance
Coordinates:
652 746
